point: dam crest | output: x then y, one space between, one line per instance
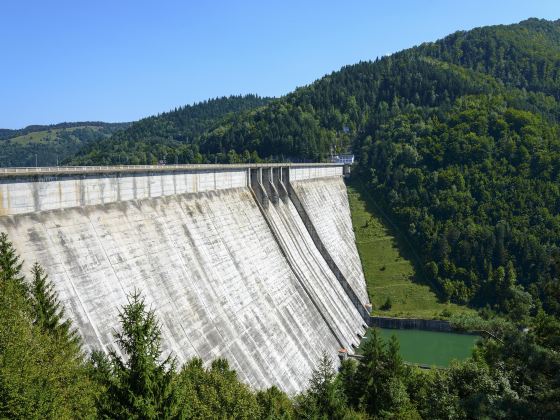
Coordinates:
255 263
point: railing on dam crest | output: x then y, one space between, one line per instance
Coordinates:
72 170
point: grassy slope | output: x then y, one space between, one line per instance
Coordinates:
388 272
46 135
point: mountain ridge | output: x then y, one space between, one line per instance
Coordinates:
170 134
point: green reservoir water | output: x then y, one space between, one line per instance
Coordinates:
430 347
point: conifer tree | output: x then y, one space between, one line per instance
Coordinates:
141 386
325 397
10 263
275 404
369 375
394 361
46 309
380 379
321 382
349 384
41 376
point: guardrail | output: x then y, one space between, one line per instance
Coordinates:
41 170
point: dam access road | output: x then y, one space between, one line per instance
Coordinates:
255 263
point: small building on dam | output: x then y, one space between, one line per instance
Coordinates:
253 263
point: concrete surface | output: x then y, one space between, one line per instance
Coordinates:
26 194
223 282
26 190
326 202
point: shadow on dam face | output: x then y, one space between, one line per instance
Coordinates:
225 277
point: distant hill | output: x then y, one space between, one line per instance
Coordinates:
330 114
51 143
522 60
172 136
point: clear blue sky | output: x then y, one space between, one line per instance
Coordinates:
121 60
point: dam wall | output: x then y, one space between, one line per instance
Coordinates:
348 286
26 193
26 190
226 276
332 225
315 274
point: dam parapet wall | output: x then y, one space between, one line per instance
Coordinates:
27 190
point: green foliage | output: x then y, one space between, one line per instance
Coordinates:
512 377
10 264
138 385
473 210
324 398
532 46
174 137
546 329
527 375
41 376
50 144
275 404
46 309
378 385
387 305
217 393
387 262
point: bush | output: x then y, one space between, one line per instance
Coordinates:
387 305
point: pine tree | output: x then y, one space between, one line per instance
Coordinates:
46 309
10 263
394 361
140 385
41 376
369 375
275 404
325 397
381 379
321 381
347 377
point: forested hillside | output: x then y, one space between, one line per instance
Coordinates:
356 100
473 179
45 145
171 137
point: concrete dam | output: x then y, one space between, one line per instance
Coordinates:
253 263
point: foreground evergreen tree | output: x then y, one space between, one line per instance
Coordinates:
275 404
378 385
215 392
48 313
10 263
138 385
325 397
40 375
